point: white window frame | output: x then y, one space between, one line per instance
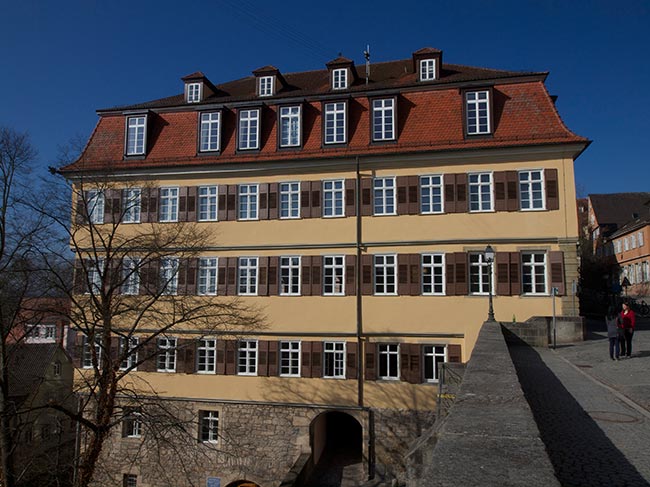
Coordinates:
641 241
208 276
248 137
166 354
383 119
530 268
290 276
95 270
247 276
95 200
86 354
388 352
168 207
388 274
206 356
333 268
477 112
339 78
626 244
289 205
431 190
476 190
131 276
427 69
335 123
131 205
136 135
290 126
385 193
209 426
334 351
247 351
477 262
334 195
210 132
133 424
132 358
41 333
194 92
435 263
169 276
632 241
208 203
290 352
531 190
248 202
431 356
266 85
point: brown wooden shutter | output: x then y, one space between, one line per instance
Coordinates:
305 368
116 206
350 275
231 276
149 356
182 204
112 205
149 272
305 199
454 354
351 362
556 260
461 277
192 270
317 359
222 273
273 358
81 216
305 262
350 197
552 192
461 193
366 196
222 202
262 276
450 193
415 264
371 361
192 196
515 280
403 283
500 200
316 275
274 198
450 274
231 202
263 195
181 276
316 199
262 358
366 274
415 363
414 195
273 276
152 208
502 262
79 278
231 357
512 190
404 362
75 347
187 350
221 357
402 183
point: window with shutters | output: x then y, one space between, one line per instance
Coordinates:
427 69
209 426
334 198
340 79
289 200
434 355
132 427
166 360
136 129
290 276
385 274
290 126
130 275
249 135
247 285
333 275
335 123
389 361
433 274
87 352
383 119
131 205
290 358
477 112
533 273
334 360
169 275
208 203
129 480
431 200
247 357
531 190
210 139
206 355
248 201
480 192
95 270
384 196
129 354
168 211
479 274
95 202
208 269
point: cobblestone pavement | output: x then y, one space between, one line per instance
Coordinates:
593 413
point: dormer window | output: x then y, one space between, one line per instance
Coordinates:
266 85
340 79
477 112
193 92
427 64
136 135
427 69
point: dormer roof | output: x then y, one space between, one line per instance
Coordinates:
339 62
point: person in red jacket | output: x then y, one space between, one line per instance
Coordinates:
628 320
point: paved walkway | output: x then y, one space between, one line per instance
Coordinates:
593 413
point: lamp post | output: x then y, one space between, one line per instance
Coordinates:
488 255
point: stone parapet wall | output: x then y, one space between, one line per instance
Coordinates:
538 330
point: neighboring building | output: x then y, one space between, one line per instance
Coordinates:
609 212
630 247
42 320
355 213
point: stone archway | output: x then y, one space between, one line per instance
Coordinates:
336 443
242 483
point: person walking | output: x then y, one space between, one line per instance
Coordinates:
614 332
628 321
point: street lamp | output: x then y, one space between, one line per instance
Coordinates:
488 255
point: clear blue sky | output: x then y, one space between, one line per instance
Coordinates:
63 59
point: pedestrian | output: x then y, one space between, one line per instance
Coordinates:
612 320
628 320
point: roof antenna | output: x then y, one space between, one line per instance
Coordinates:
366 54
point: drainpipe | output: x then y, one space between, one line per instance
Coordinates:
358 293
